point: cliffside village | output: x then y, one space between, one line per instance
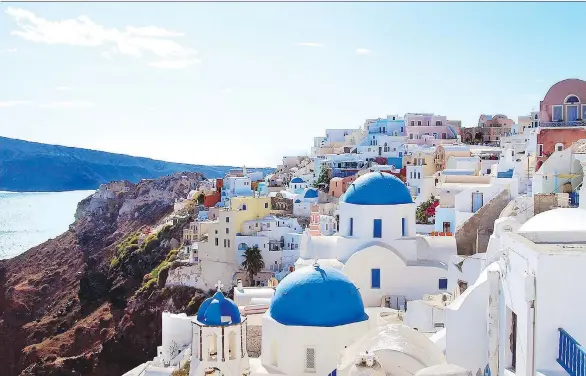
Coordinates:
407 246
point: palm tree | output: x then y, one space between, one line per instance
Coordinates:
253 262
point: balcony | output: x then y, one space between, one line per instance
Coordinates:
571 355
560 124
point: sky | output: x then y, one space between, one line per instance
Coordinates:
246 83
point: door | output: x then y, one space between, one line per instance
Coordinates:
446 226
572 113
476 201
380 151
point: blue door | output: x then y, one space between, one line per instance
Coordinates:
404 226
476 201
574 199
378 228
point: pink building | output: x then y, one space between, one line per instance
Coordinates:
564 104
493 127
428 129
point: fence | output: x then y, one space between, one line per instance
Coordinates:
571 355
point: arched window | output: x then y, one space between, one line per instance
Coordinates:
213 346
242 247
232 345
571 99
244 207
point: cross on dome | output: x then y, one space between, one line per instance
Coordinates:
219 285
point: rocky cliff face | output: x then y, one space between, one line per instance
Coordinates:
85 302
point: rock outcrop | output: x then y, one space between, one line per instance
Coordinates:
89 302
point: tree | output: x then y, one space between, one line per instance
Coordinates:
426 210
324 178
253 262
200 199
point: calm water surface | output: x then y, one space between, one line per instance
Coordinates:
29 219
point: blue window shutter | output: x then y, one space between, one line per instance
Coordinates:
375 278
404 226
377 228
351 226
443 283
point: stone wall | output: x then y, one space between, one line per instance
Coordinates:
282 204
545 202
253 340
481 225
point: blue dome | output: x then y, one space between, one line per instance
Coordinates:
310 193
297 180
213 309
377 188
317 296
298 201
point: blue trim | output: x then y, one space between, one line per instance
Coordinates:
377 228
375 278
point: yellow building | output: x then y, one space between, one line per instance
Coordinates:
221 245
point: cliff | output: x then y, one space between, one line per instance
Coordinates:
34 167
89 302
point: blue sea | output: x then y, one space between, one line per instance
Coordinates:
29 219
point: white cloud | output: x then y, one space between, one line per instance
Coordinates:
106 55
68 105
149 41
173 64
310 44
63 88
363 51
12 103
9 50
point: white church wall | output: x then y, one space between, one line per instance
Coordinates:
289 343
176 335
396 278
363 218
560 278
214 271
466 338
423 316
471 269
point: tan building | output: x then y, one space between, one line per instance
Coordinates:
444 152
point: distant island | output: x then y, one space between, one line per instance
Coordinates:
34 167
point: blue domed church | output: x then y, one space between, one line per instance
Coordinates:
377 246
315 313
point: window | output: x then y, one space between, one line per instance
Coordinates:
227 230
224 243
540 150
557 113
412 123
583 116
438 123
375 278
227 219
404 226
266 205
410 136
419 175
402 127
309 359
572 99
351 231
559 147
443 283
377 228
418 123
217 242
244 207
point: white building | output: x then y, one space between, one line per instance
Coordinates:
377 246
519 317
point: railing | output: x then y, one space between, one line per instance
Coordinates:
549 124
571 355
